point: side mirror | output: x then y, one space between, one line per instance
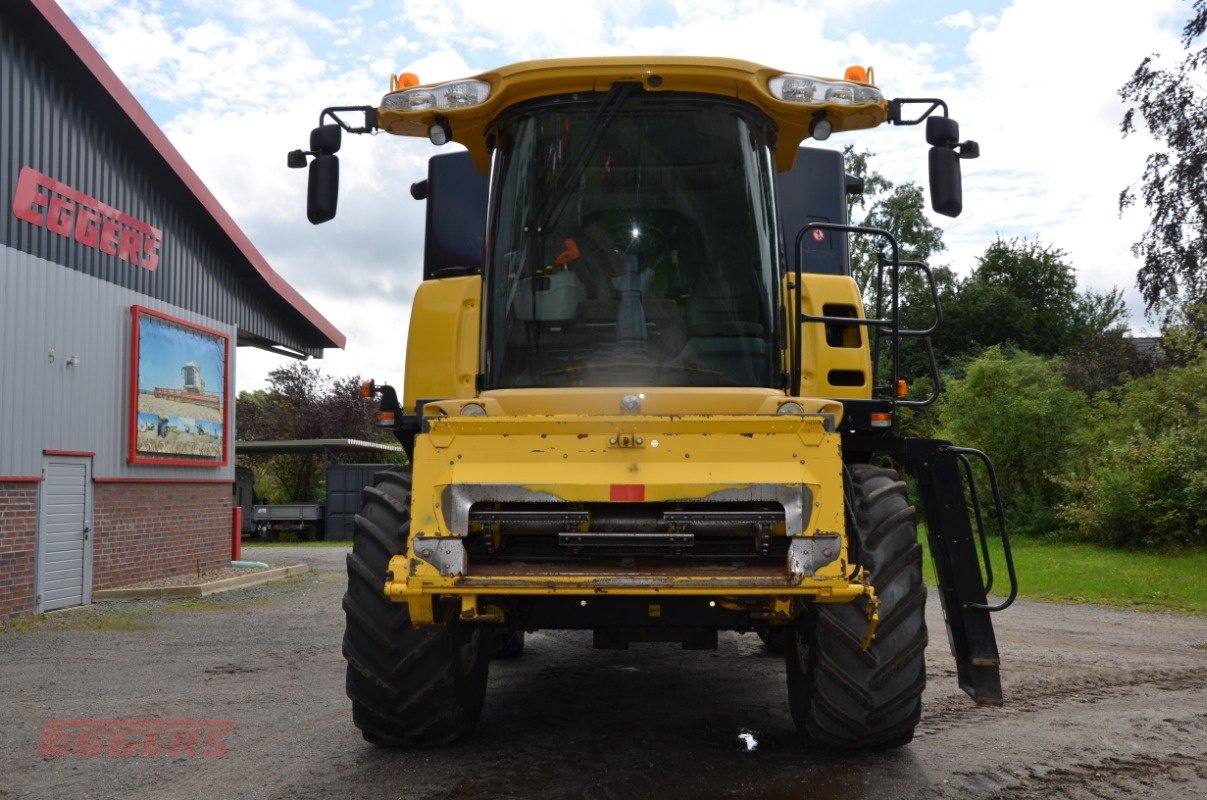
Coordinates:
325 140
942 131
946 187
322 191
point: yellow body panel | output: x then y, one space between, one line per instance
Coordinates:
832 354
567 458
442 346
732 78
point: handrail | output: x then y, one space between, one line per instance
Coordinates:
975 498
1002 532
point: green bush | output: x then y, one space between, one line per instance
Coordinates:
1016 407
1143 481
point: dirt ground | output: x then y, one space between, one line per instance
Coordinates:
1100 703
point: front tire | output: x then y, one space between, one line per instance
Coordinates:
409 687
840 695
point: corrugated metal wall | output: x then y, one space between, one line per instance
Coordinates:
46 404
56 118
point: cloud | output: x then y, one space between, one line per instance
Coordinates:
1046 112
237 85
962 19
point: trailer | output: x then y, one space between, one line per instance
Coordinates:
304 519
344 485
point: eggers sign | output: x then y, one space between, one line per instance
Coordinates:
47 203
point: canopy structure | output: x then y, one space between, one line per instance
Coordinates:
324 447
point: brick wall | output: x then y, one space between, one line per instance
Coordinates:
141 531
145 531
18 527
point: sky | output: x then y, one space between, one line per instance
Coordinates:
235 84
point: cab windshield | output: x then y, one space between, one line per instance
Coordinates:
633 245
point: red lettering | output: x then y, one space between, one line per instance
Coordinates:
184 743
154 743
91 742
55 740
150 253
131 246
88 227
110 230
124 742
43 201
28 197
215 743
60 216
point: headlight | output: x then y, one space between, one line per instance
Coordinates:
458 94
473 410
814 91
791 408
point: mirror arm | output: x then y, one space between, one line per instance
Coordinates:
895 106
370 113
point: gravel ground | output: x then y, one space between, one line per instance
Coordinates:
1101 703
193 579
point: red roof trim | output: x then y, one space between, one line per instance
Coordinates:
75 39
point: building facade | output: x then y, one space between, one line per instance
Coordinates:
125 293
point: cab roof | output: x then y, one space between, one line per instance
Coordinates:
724 77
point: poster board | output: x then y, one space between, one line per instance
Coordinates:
179 392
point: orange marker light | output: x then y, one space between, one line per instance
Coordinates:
881 419
367 389
856 74
902 388
403 80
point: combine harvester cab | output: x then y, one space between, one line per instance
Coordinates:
643 397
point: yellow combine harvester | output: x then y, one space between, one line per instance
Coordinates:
643 398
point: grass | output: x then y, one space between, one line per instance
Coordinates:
1071 572
81 620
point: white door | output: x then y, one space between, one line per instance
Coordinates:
65 534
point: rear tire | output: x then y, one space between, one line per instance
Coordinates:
509 644
409 687
840 695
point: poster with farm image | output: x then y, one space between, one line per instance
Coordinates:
179 392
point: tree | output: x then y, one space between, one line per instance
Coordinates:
1100 363
1173 106
302 403
1015 407
1024 293
874 183
900 210
1142 477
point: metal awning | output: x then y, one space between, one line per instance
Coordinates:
324 446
